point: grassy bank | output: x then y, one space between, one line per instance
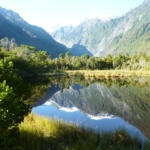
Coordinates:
40 133
98 73
109 73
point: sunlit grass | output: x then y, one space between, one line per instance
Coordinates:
109 73
41 133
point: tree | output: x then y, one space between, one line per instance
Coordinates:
61 61
85 56
92 63
109 61
117 61
68 60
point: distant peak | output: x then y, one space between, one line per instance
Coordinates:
56 27
146 3
102 17
11 15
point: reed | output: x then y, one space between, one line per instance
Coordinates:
41 133
109 73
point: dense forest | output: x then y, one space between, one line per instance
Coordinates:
27 61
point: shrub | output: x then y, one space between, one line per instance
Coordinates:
12 112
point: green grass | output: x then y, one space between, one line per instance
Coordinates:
147 145
120 140
40 133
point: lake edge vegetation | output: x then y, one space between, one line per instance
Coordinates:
38 132
20 62
30 62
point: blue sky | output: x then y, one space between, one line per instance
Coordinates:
47 13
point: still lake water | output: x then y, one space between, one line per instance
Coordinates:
103 106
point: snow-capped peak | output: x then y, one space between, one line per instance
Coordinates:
102 17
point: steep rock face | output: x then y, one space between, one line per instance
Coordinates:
129 33
13 26
84 34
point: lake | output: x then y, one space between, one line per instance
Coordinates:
100 104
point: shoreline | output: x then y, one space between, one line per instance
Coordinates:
45 133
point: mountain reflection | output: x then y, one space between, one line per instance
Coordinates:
128 99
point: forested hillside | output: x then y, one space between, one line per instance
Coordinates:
13 26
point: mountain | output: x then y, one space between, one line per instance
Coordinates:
13 26
129 33
76 49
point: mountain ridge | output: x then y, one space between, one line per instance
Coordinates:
24 33
128 33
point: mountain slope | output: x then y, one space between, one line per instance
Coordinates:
13 26
137 37
126 34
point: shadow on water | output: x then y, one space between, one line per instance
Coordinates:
50 92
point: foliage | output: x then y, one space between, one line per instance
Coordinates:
12 112
25 61
10 74
137 62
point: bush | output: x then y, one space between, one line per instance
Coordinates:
12 112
